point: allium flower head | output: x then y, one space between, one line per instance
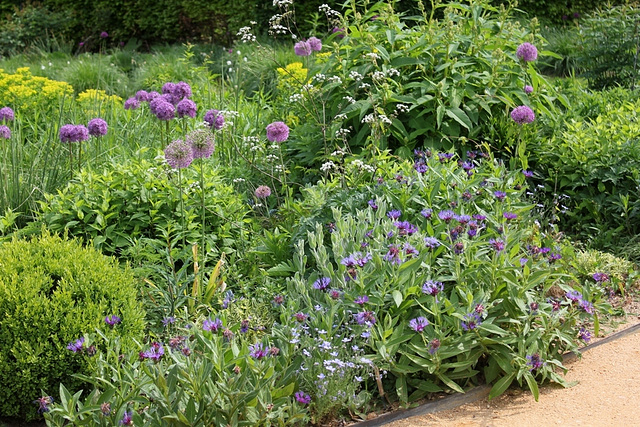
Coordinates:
168 88
418 324
214 119
131 104
104 35
6 114
143 96
302 397
112 320
315 44
302 48
181 90
178 154
277 132
202 143
162 109
528 89
73 133
262 192
523 115
5 132
97 127
187 108
527 52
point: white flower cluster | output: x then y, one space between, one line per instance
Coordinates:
282 3
349 99
354 75
327 166
342 133
250 139
378 76
238 180
384 119
271 158
360 165
341 116
319 77
296 97
393 72
245 35
308 87
371 118
339 152
402 108
372 55
329 12
364 85
275 25
335 79
278 168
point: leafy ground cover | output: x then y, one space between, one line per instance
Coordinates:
316 227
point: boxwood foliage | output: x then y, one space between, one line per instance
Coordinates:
53 291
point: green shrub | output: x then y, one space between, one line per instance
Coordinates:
53 292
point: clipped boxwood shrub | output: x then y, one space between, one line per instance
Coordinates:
53 291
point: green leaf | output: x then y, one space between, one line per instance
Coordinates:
397 297
502 385
533 385
459 116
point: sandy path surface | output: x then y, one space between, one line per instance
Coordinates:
607 394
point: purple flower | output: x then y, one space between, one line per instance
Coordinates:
410 251
162 109
142 96
426 213
468 166
315 44
43 403
73 133
127 419
258 351
339 32
500 195
153 95
601 277
5 132
302 48
431 242
586 306
168 321
168 88
432 287
498 245
509 215
212 325
434 345
471 321
278 299
181 90
131 104
523 115
361 300
202 143
462 219
155 352
302 397
420 167
523 261
187 108
365 318
178 154
554 257
7 114
105 409
573 296
393 255
533 307
112 320
528 89
458 248
394 214
405 228
97 127
81 44
335 294
446 215
214 119
445 157
77 345
300 317
372 204
535 362
584 335
527 174
262 192
418 324
104 35
322 284
277 132
527 52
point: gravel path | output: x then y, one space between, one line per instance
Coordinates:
607 394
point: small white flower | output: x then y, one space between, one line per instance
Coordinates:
349 99
229 63
295 97
327 166
378 76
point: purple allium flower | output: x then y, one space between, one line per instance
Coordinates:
500 195
97 127
315 44
601 277
302 397
573 296
168 321
77 345
131 104
73 133
187 108
202 143
339 32
498 245
214 119
277 132
43 403
426 213
372 204
431 242
258 351
432 287
143 96
510 215
212 325
112 320
155 352
394 214
168 97
405 228
458 248
421 167
302 48
361 300
471 321
528 89
393 255
6 114
5 132
181 90
162 109
168 88
104 35
322 284
527 52
535 362
365 318
178 154
418 324
434 345
446 215
262 192
527 174
584 335
523 115
127 419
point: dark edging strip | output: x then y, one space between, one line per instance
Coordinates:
475 394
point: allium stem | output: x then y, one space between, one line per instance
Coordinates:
204 252
181 204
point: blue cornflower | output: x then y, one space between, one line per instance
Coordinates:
394 214
446 215
535 362
432 287
471 321
212 325
431 242
418 324
322 284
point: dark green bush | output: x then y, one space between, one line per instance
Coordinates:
52 292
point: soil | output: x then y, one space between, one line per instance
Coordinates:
607 394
